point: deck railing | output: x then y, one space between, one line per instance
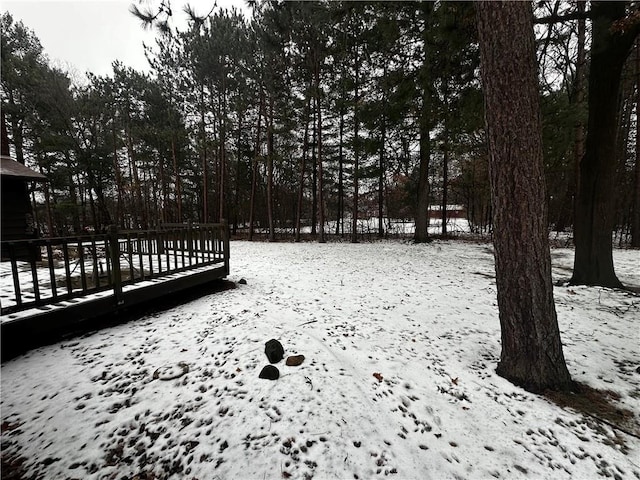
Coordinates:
60 269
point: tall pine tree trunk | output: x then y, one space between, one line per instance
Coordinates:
73 195
340 209
164 190
595 203
236 193
174 158
564 216
141 219
223 154
531 348
4 137
118 175
314 176
322 238
47 203
254 168
445 157
635 223
16 131
303 164
381 166
381 160
356 151
203 159
422 209
623 207
270 154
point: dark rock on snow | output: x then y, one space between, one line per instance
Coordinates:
270 373
295 360
274 351
242 281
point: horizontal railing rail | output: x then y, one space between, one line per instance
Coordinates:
63 268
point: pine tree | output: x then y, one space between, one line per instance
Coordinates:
595 212
531 347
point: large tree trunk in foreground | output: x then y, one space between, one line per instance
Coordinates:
421 233
595 202
531 348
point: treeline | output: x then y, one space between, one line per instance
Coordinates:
305 115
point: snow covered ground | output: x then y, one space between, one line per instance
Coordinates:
400 343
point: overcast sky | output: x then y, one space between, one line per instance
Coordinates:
88 35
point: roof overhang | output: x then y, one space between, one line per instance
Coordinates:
12 169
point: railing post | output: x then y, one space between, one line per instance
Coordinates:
190 240
52 273
225 243
114 251
83 273
14 273
67 269
160 241
31 252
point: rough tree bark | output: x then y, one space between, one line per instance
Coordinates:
314 176
303 163
203 154
270 155
381 177
381 160
254 167
140 217
317 90
635 225
422 211
174 159
531 348
340 209
422 208
4 137
445 157
222 213
595 202
356 150
118 175
576 100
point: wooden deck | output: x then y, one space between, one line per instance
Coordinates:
71 281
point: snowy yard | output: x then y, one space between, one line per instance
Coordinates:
177 394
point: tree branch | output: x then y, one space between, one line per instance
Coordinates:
549 33
628 25
563 18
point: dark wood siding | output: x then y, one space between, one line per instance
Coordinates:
16 214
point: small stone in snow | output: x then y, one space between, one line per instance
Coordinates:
295 360
270 373
274 350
